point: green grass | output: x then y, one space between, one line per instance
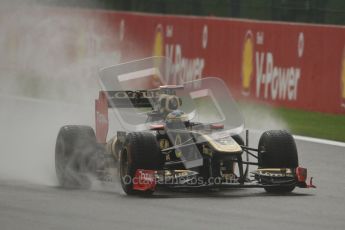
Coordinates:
327 126
312 124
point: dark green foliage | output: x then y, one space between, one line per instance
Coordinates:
310 11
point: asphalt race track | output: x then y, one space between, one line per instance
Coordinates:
30 199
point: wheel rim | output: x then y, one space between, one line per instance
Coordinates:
124 164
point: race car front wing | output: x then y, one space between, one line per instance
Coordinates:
145 180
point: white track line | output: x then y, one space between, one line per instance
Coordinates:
319 141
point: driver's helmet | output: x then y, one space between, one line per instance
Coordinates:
177 116
168 103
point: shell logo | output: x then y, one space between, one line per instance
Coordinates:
158 50
247 62
342 76
158 45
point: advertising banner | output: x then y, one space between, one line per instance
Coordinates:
283 64
292 65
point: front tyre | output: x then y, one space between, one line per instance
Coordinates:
140 151
277 149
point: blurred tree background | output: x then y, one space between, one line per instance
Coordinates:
309 11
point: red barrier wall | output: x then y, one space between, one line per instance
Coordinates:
293 65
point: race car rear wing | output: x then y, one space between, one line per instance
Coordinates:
119 99
125 99
129 99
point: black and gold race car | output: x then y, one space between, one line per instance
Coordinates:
173 135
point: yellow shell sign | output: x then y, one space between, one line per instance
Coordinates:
158 45
158 50
247 62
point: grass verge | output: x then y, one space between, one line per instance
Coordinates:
299 122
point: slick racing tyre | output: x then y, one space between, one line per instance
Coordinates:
277 149
140 151
76 156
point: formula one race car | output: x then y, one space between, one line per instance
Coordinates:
173 135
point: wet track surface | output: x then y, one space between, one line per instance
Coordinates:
32 205
25 206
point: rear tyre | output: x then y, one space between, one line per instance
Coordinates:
76 156
277 149
140 151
